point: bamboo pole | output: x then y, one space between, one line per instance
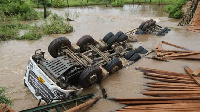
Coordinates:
160 71
168 76
81 106
167 43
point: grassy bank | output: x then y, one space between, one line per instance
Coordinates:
173 8
77 3
3 98
14 11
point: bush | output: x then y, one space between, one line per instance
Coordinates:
3 98
19 9
58 4
56 26
34 34
117 3
174 10
10 30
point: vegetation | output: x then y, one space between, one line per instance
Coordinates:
14 11
174 10
3 98
56 26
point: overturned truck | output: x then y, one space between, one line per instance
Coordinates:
78 66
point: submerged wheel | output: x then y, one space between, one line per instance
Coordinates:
107 36
56 45
161 32
84 41
144 28
111 41
141 50
130 54
114 65
142 24
122 38
135 57
118 34
90 75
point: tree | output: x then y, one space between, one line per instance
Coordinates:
44 6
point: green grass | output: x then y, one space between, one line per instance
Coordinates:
14 11
76 3
3 98
56 26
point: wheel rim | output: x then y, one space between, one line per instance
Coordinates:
93 78
114 69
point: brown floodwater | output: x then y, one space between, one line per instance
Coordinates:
98 21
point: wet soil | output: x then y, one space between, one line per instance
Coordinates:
97 21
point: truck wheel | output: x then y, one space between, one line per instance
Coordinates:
84 41
162 31
111 41
122 38
118 34
145 27
130 54
152 23
55 46
106 37
114 65
141 50
90 76
135 57
142 24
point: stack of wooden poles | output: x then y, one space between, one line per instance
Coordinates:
173 92
184 53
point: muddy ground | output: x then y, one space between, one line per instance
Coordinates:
98 21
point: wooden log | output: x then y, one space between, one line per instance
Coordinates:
167 43
168 76
159 48
181 54
156 98
196 72
170 80
174 51
170 89
157 102
159 93
160 71
190 57
189 72
171 86
81 106
167 53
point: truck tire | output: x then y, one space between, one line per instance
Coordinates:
55 46
162 31
90 76
130 54
114 65
141 50
83 41
145 27
141 25
152 23
135 57
118 34
111 41
122 38
106 37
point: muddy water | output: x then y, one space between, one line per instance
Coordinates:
97 21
